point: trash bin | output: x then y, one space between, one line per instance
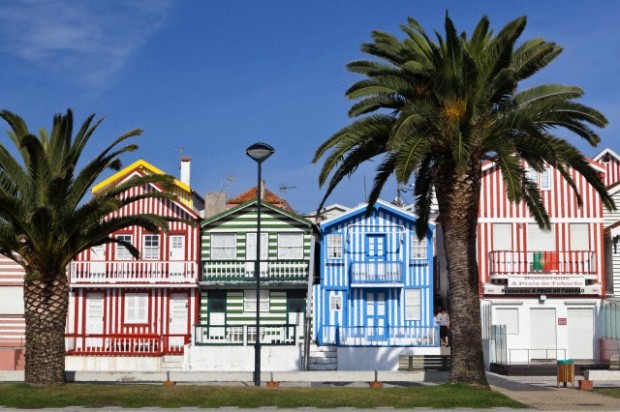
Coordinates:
566 372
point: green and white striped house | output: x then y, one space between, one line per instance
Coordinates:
228 283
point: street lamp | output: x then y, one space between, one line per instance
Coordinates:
259 152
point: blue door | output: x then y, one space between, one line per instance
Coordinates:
375 254
376 316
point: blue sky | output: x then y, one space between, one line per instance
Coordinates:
214 77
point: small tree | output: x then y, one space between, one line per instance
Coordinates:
45 222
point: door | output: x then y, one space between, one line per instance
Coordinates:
376 316
178 321
375 251
94 321
580 333
543 342
177 257
250 253
97 265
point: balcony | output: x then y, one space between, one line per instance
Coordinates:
125 344
577 262
376 274
379 335
244 335
221 272
127 272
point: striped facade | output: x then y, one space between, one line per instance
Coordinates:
12 323
228 286
138 307
541 290
509 242
376 283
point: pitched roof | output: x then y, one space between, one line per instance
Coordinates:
141 165
251 203
181 190
268 196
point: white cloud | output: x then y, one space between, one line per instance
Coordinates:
87 41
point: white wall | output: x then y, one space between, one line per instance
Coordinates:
112 363
519 344
381 358
241 358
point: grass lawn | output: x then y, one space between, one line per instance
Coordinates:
130 396
615 392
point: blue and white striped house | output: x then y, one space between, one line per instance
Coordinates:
374 301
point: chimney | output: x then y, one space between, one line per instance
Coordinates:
262 189
185 169
215 202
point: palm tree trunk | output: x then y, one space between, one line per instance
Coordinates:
458 197
46 299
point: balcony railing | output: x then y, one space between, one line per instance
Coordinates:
376 273
244 335
243 270
576 262
133 271
125 344
379 336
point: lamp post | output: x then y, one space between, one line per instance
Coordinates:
259 152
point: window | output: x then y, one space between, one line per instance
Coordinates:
334 246
579 236
135 308
508 317
249 301
540 240
335 303
250 246
122 253
412 304
290 246
543 179
502 236
223 246
419 248
151 247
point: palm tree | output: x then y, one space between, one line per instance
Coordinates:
45 222
436 110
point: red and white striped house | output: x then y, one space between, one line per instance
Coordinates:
541 290
126 313
610 312
12 324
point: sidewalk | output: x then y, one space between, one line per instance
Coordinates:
542 393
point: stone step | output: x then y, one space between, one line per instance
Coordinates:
322 361
319 355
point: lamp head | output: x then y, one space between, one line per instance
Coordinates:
259 151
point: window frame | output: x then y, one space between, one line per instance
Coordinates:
249 302
151 248
333 246
294 251
137 302
121 248
413 304
418 246
225 249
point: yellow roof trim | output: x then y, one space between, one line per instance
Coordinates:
136 165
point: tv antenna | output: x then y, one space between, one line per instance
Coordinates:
226 185
284 188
